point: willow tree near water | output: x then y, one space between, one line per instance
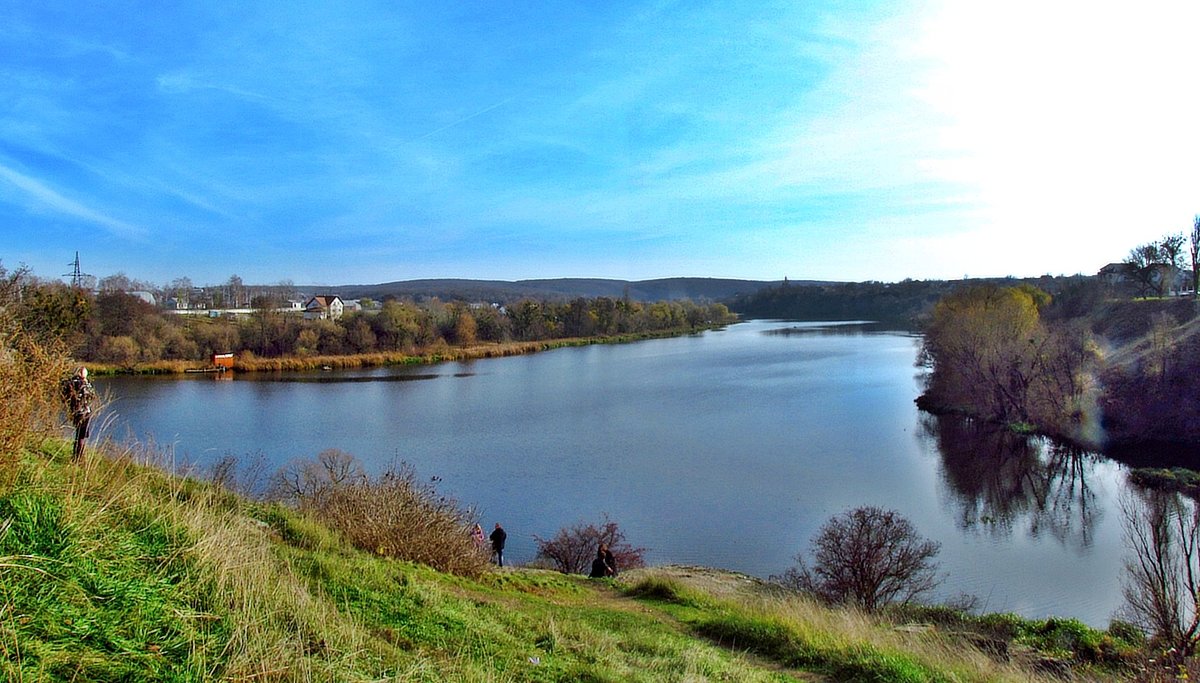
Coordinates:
991 356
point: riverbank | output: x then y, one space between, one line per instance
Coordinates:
116 570
248 362
1101 374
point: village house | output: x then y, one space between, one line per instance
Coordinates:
323 308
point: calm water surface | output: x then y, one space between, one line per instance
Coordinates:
728 449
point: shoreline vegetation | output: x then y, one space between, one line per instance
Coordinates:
1086 370
438 353
1082 369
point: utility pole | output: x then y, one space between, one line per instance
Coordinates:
76 274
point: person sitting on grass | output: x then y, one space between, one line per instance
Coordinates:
604 564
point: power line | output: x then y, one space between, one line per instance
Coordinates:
76 274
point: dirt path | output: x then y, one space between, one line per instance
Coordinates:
719 583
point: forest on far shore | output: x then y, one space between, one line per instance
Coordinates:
117 328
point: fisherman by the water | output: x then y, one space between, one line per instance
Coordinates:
79 395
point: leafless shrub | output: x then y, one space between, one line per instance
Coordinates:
393 515
1161 586
867 557
239 475
308 482
572 549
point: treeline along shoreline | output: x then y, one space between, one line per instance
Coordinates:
114 331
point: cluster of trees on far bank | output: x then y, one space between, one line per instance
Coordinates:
1083 366
993 355
115 327
1102 361
906 303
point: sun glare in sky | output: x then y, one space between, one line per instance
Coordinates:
357 142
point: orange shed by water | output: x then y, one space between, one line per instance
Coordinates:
223 360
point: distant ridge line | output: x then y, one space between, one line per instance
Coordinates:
506 291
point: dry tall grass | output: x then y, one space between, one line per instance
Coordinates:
31 369
845 642
30 373
276 627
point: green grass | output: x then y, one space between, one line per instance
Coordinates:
1176 479
115 571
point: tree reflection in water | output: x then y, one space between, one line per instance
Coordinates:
1003 481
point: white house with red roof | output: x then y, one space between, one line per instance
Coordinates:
323 308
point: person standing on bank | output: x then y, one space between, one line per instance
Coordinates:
79 394
498 537
477 537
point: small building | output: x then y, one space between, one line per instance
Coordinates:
148 297
1116 273
323 308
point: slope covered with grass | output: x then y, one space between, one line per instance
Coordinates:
112 570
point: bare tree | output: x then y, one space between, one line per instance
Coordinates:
118 282
1195 250
1161 586
571 550
867 557
1170 249
310 482
1144 264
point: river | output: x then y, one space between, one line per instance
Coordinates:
728 448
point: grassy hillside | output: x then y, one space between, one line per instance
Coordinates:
112 570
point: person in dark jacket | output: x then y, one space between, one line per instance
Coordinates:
609 559
498 537
78 393
604 564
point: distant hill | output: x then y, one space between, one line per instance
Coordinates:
502 291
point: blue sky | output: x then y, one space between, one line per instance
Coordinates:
362 142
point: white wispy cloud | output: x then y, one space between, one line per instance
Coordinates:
45 198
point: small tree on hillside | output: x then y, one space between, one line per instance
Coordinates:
1153 266
1144 267
572 549
1171 251
1195 252
866 557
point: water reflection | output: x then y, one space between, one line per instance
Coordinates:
839 328
345 379
1004 481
